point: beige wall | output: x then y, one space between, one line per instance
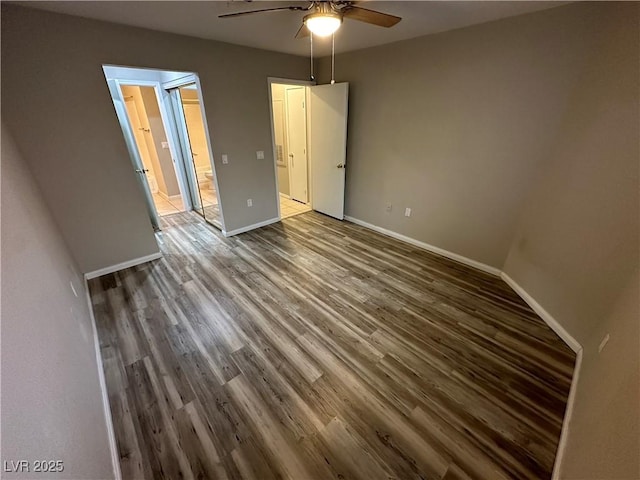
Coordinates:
48 78
605 426
456 125
576 247
516 144
579 224
51 402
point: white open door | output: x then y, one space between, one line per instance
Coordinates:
328 146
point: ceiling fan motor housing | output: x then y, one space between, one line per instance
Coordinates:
324 20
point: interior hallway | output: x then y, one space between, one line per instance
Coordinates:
315 348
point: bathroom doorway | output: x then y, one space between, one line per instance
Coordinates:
151 141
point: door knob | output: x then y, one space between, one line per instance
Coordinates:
143 170
341 165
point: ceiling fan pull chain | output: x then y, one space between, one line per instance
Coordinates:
311 42
333 58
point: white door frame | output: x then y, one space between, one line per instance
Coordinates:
189 79
173 146
288 81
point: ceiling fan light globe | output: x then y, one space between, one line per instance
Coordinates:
323 24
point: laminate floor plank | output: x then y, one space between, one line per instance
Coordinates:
317 349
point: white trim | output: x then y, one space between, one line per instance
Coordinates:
250 227
113 446
122 266
542 313
437 250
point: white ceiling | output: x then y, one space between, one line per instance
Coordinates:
276 30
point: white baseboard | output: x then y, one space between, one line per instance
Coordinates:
425 246
122 266
575 346
250 227
546 316
113 446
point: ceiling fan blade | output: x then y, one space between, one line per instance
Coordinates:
303 31
248 12
369 16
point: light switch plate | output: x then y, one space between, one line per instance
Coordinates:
225 159
165 144
260 155
407 212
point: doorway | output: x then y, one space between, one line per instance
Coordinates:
309 134
151 141
168 140
289 119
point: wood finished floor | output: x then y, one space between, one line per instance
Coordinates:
316 349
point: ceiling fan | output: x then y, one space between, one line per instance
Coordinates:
325 16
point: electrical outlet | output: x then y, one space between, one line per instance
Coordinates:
407 212
165 145
249 202
225 158
604 341
260 155
388 208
